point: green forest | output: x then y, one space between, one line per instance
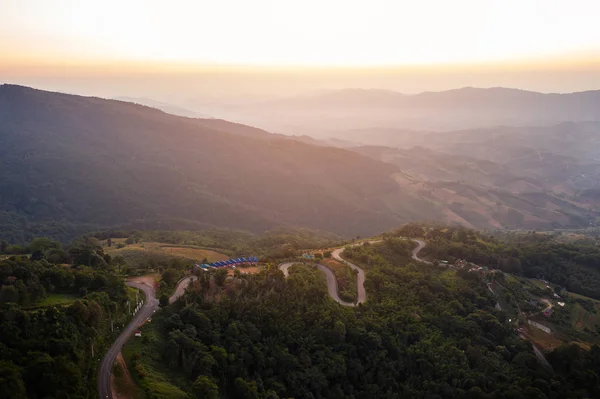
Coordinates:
57 307
569 260
424 333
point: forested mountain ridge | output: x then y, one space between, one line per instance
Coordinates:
72 164
76 160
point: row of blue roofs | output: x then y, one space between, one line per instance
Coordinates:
230 262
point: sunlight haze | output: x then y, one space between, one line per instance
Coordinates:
315 33
268 199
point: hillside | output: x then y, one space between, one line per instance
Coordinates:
478 192
72 163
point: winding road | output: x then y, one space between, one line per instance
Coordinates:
332 286
151 304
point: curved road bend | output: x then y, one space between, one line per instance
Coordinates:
332 287
181 287
151 304
415 253
360 278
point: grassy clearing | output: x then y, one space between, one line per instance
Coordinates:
186 251
194 253
148 369
545 341
541 285
582 319
56 299
148 256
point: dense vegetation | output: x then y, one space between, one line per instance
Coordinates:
57 307
424 332
572 264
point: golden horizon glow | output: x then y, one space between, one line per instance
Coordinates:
188 35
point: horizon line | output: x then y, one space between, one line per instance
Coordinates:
555 62
325 91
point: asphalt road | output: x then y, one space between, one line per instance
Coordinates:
180 289
415 253
145 312
151 304
332 287
360 276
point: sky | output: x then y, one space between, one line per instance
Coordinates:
410 43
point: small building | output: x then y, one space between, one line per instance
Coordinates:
138 333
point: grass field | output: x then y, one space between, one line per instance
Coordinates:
545 341
56 300
581 319
195 253
165 250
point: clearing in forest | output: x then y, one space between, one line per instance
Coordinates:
182 251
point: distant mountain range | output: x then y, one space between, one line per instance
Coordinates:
332 113
70 164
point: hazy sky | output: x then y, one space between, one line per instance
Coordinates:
416 42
